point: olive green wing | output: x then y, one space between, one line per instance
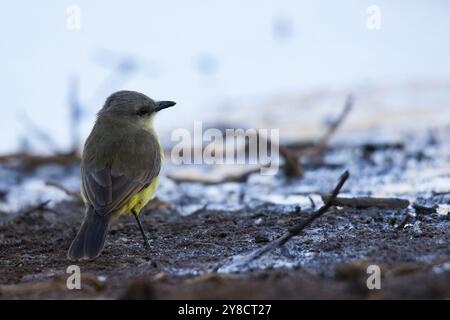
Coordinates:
110 186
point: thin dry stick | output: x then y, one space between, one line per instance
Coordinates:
71 193
319 147
423 209
313 204
292 166
239 177
367 202
30 161
38 133
404 222
296 230
39 207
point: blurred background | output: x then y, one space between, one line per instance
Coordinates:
230 60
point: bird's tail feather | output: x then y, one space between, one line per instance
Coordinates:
90 239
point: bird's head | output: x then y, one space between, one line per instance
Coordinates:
133 106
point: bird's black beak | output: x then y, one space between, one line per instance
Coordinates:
163 105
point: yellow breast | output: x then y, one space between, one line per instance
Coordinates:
140 199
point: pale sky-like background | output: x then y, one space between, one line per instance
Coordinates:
204 54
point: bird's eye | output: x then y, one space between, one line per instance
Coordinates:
143 112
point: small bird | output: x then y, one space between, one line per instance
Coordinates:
119 168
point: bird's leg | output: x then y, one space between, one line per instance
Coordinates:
142 229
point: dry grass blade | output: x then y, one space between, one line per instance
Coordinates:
71 193
39 207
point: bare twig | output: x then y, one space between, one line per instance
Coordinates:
243 176
367 202
296 230
38 133
424 210
318 148
292 166
71 193
39 207
313 204
31 161
404 222
239 177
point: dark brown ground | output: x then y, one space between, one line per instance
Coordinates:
327 261
33 256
